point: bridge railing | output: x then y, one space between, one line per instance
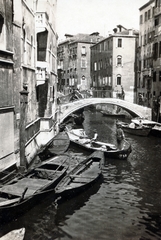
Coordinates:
88 94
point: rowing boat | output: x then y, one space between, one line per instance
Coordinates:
155 126
84 174
57 145
113 114
24 192
139 131
79 138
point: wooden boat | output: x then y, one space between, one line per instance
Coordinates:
79 138
139 131
58 145
17 234
8 174
81 177
110 114
22 193
155 126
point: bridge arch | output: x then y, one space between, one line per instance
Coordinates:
134 109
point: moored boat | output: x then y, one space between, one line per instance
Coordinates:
58 145
81 177
79 138
139 131
8 174
22 193
155 126
111 114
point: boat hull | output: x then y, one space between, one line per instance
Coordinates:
114 115
114 154
29 190
82 177
137 131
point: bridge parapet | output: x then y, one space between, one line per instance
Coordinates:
137 110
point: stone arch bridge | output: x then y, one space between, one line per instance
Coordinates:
64 110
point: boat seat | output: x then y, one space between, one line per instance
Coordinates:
18 188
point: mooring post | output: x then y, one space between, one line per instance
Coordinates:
23 105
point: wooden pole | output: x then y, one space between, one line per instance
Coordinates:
23 105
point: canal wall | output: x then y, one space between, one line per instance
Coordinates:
38 134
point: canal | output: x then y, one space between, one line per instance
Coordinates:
124 205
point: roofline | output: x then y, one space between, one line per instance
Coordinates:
113 35
146 4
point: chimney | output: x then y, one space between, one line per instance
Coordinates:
115 30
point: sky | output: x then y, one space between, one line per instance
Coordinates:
88 16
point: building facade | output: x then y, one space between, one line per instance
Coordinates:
74 61
149 65
28 70
145 57
6 83
113 63
157 62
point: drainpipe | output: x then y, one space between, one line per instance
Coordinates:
23 105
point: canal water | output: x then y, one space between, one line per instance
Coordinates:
124 205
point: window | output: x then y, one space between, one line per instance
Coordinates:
154 76
95 66
119 43
108 45
119 79
149 14
119 61
146 15
42 45
141 19
83 50
145 37
153 11
83 63
101 65
155 51
156 21
110 61
144 79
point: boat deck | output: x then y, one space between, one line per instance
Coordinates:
18 188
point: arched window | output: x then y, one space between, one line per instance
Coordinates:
119 61
118 79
